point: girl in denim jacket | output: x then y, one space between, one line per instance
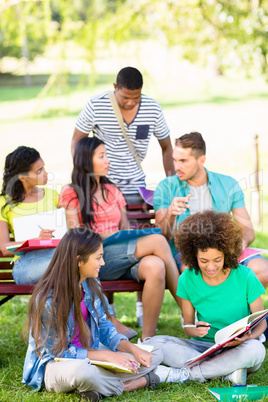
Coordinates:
68 323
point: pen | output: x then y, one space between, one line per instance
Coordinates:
40 227
196 326
135 364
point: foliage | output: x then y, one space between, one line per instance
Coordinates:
228 33
24 29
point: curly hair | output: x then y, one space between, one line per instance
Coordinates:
206 230
17 162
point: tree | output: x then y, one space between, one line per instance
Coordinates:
234 32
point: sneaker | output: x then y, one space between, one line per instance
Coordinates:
238 377
172 374
92 396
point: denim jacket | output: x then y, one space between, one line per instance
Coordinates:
102 331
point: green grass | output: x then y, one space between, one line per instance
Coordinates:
12 353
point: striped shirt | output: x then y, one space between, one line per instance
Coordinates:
98 116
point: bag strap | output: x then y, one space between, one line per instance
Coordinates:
120 121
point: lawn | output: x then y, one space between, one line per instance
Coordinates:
227 113
12 353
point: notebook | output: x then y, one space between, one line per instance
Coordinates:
33 244
27 227
239 393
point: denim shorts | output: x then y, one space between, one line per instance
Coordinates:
252 257
31 266
120 261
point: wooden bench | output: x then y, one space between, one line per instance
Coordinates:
141 216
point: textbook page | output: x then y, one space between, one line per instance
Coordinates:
230 330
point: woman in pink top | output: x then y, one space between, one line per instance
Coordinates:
92 201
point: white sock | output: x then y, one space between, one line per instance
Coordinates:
139 309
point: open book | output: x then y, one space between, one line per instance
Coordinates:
109 365
241 393
229 333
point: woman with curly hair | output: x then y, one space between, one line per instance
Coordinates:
221 292
24 171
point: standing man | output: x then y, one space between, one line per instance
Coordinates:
194 189
142 117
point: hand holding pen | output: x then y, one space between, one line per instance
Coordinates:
200 328
45 233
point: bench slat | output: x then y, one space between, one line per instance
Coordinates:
10 288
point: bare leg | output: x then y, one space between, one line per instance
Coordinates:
260 267
135 384
157 245
139 295
152 272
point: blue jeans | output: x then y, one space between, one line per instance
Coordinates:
31 266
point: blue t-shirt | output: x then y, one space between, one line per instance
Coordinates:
225 192
223 304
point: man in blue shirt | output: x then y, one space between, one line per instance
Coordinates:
194 189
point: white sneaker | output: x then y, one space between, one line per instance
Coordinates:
238 377
171 374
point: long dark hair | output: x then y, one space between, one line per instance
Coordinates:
18 162
61 283
83 180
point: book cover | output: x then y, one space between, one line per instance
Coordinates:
33 244
122 235
229 333
239 393
250 251
147 195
